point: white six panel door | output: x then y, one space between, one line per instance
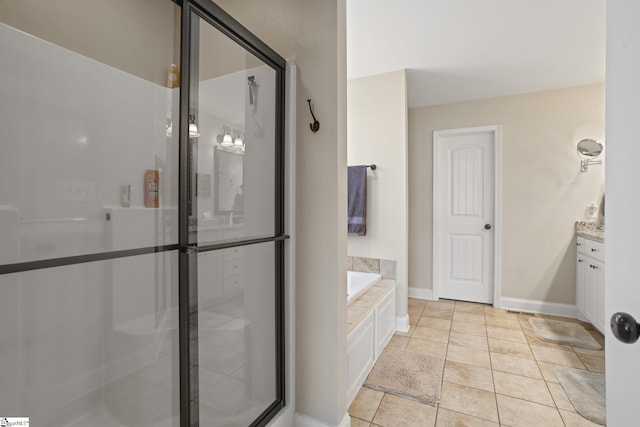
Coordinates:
464 187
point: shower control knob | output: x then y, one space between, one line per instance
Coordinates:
487 226
624 327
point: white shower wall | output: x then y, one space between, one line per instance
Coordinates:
73 131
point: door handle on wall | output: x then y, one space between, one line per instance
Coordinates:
487 226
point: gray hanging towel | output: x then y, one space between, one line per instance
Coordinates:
357 204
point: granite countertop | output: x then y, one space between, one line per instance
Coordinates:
590 230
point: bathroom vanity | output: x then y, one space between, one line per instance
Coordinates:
590 274
221 274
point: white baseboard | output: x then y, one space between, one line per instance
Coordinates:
419 293
302 420
402 323
285 418
538 307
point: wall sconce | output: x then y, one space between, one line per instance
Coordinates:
193 127
225 139
238 142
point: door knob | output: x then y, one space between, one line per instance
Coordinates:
624 327
487 226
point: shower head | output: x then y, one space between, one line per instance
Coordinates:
251 81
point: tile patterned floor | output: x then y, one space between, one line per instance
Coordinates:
497 373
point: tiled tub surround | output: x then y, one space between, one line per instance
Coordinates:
384 267
370 326
497 372
359 308
590 230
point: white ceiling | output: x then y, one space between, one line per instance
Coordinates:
457 50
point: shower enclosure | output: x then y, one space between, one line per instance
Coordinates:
141 216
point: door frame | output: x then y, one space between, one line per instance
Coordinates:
436 201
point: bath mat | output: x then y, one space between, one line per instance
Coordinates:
560 332
586 391
408 374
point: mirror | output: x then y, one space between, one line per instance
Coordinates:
229 180
589 148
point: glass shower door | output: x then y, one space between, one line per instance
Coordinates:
235 216
88 270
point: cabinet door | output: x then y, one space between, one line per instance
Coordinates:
598 320
590 286
580 298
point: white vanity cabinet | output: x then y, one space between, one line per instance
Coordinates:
221 274
590 282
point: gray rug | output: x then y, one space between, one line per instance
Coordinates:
560 332
408 374
586 391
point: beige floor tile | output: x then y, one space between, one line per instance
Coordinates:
415 302
515 335
548 371
406 334
442 303
515 365
469 356
357 422
520 413
447 418
560 397
559 357
593 363
435 323
469 341
415 312
523 388
469 328
431 334
463 316
398 411
413 320
580 351
524 323
573 419
432 348
510 348
506 320
468 375
365 404
398 341
499 312
469 401
438 312
470 307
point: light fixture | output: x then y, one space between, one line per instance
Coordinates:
193 127
225 139
237 139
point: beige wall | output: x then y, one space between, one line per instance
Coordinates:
543 192
377 133
139 37
312 34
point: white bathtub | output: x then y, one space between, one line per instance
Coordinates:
358 283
